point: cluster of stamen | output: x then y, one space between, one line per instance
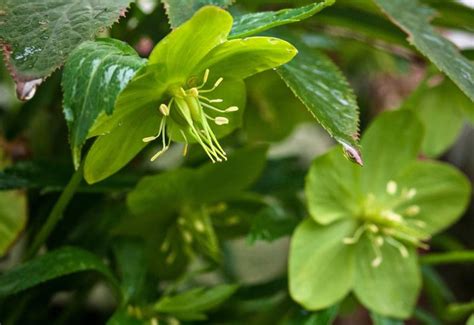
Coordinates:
387 226
190 106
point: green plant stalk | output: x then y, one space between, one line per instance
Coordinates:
447 258
56 213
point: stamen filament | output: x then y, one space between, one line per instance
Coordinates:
401 248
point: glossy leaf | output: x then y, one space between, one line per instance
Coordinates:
94 74
414 18
52 265
442 193
179 11
321 268
13 216
192 304
319 84
242 58
254 23
388 145
391 289
38 35
272 111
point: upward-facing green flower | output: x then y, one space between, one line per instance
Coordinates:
367 223
191 90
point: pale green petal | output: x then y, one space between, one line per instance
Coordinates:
321 266
389 144
442 193
392 288
112 151
332 187
185 46
241 58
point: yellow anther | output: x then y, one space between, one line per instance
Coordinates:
217 100
218 82
148 139
164 110
220 120
232 109
199 226
391 187
412 210
206 76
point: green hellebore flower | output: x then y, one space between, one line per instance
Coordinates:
191 91
367 223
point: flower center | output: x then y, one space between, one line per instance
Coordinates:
188 109
388 225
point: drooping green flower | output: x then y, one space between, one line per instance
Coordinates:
367 223
190 91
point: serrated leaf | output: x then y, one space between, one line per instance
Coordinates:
253 23
94 75
38 35
52 265
321 86
13 217
193 304
414 18
179 11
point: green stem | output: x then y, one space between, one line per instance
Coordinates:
56 214
447 258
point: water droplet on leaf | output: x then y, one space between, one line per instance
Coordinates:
25 90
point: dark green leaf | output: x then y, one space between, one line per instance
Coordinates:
414 19
53 177
93 76
271 223
210 183
320 85
179 11
131 264
193 304
54 264
122 317
253 23
38 35
272 111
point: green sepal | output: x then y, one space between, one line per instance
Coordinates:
241 58
188 44
442 193
332 187
321 266
391 142
392 288
110 152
